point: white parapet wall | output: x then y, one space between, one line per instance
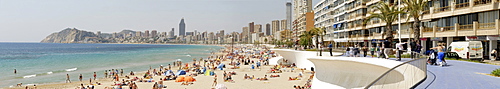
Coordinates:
358 72
300 57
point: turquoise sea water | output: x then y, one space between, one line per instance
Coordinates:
38 63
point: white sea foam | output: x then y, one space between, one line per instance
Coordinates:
188 55
49 72
29 76
72 69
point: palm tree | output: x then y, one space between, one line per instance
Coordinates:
415 8
318 33
388 13
305 38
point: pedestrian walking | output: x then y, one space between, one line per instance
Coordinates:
330 48
365 50
387 48
372 50
67 78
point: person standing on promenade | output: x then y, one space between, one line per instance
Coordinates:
356 50
347 51
365 50
441 53
81 77
387 48
378 49
372 50
67 78
330 48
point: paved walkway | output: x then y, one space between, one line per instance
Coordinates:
460 75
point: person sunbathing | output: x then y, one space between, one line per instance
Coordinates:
274 76
294 78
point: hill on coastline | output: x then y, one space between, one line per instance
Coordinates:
70 35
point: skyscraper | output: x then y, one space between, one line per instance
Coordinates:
171 33
257 28
146 33
268 29
153 33
251 28
182 28
283 25
288 15
275 26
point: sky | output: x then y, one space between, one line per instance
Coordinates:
33 20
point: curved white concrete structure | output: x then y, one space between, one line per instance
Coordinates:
275 60
358 72
300 57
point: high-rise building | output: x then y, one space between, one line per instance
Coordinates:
138 34
304 17
245 34
257 28
251 27
146 33
154 33
171 33
288 15
275 26
182 28
283 25
268 29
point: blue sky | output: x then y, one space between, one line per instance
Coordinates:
33 20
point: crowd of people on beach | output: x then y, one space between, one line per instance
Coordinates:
253 57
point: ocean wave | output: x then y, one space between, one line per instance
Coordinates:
188 55
49 72
72 69
29 76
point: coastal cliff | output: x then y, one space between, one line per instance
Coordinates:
70 35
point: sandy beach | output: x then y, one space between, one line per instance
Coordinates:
202 81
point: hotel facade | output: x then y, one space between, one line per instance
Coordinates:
443 21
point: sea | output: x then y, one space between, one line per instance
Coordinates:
42 63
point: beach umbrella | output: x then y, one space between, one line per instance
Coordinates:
220 86
181 72
169 72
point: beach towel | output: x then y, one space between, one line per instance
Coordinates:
179 79
189 79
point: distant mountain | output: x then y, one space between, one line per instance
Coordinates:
71 35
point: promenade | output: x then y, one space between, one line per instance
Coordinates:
460 75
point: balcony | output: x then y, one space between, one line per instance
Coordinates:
466 27
462 5
442 9
482 2
474 29
453 9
